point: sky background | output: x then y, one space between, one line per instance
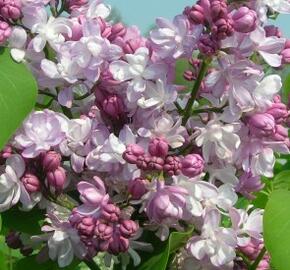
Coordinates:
144 12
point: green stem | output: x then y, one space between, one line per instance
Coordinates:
259 258
92 265
206 110
62 7
196 86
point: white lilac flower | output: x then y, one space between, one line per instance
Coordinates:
158 95
218 139
138 71
215 242
247 225
46 29
40 131
174 39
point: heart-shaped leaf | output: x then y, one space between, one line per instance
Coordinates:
277 228
18 91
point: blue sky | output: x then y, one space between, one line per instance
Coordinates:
143 12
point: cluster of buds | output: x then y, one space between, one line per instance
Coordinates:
55 174
269 124
252 251
216 16
5 31
159 159
107 232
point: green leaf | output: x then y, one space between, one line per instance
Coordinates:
181 66
282 180
3 262
22 221
277 228
31 263
160 260
18 91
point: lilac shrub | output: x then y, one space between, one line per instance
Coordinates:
122 151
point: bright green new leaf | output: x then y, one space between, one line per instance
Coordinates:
277 228
18 91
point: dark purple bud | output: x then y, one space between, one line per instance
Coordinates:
143 162
207 45
13 240
156 163
172 165
51 161
57 179
113 106
137 188
117 30
31 182
196 14
272 31
128 228
86 226
158 147
131 45
111 212
222 28
10 9
286 56
244 20
118 244
103 231
133 151
192 165
218 9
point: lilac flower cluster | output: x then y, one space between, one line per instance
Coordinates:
122 150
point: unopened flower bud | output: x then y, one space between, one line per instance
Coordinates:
128 228
10 9
133 151
272 31
5 31
103 231
111 212
196 14
262 124
76 4
192 165
244 20
172 165
156 163
13 240
158 147
222 28
51 161
119 244
117 30
113 106
218 9
207 45
31 182
131 45
86 226
137 188
280 134
279 112
57 179
188 75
